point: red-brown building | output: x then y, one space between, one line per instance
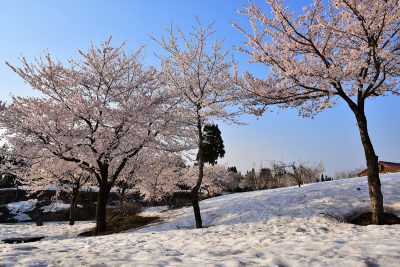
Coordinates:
384 167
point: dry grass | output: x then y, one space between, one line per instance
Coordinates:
120 224
123 219
366 219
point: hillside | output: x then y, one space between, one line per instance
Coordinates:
287 226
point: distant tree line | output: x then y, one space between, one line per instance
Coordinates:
280 174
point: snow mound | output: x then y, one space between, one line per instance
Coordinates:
57 206
18 209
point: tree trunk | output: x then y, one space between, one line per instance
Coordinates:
102 207
72 206
196 188
196 208
374 183
195 196
121 196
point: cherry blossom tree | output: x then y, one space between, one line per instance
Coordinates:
336 49
214 178
232 182
159 177
125 189
32 170
166 174
97 112
163 173
67 178
199 71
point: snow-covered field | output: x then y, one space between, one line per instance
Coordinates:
283 227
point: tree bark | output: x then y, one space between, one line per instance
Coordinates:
121 196
195 196
296 175
374 183
196 188
196 208
101 207
72 206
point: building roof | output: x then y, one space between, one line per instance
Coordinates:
387 163
392 164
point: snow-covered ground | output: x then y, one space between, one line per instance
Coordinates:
18 209
56 206
289 226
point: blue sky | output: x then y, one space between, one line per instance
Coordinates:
29 27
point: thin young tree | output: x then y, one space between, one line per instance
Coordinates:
336 49
97 112
200 72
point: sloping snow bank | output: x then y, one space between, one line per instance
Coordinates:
336 199
283 227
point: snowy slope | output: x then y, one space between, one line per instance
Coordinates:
336 199
289 226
